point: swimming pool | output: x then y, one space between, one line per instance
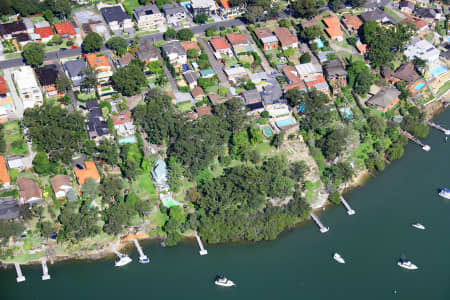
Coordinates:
346 112
267 131
419 86
128 140
319 43
438 70
285 122
301 108
169 202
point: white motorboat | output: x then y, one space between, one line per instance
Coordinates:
223 281
407 264
337 257
445 193
418 226
123 260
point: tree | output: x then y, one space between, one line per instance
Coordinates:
90 189
336 5
254 14
185 34
129 80
176 171
170 34
155 67
376 125
211 30
278 139
33 53
61 7
304 9
311 33
200 18
25 7
66 100
405 93
46 228
335 198
240 144
419 63
8 229
92 42
305 58
359 77
89 80
63 84
41 164
192 53
48 15
298 170
111 188
334 142
161 80
118 44
284 23
395 152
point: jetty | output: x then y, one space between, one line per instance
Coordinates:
316 219
416 140
438 127
203 251
143 259
350 211
20 277
45 275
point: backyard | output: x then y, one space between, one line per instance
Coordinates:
143 186
129 5
15 143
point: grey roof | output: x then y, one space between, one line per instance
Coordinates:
384 97
171 10
74 68
190 77
183 97
335 67
378 15
28 24
114 13
13 27
9 208
308 68
445 55
251 96
41 24
323 56
272 92
95 124
425 12
369 4
146 51
87 16
173 47
146 10
406 3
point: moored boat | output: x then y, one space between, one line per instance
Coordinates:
407 264
445 193
418 226
223 281
123 260
337 257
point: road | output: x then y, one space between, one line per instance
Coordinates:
12 91
156 37
216 65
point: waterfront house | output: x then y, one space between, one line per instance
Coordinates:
116 18
65 30
85 171
220 47
45 33
208 7
9 208
147 52
385 99
333 28
123 124
74 71
352 23
422 49
149 18
27 87
174 14
5 181
29 191
99 62
47 76
336 75
406 72
175 52
61 185
160 173
286 38
267 38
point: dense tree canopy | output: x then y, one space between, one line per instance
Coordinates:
92 42
33 53
129 80
118 44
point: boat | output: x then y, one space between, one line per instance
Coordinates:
123 260
144 260
418 226
337 257
223 281
445 193
406 264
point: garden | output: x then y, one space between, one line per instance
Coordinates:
15 143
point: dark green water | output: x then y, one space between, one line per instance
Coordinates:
298 265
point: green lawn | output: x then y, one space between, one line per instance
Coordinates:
129 5
143 186
14 139
443 89
86 97
13 55
393 14
185 106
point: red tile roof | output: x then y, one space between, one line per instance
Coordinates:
44 32
204 110
331 22
285 37
197 92
237 38
418 24
334 31
64 28
219 43
3 86
263 32
299 85
4 177
352 21
362 48
225 4
291 73
121 119
190 45
90 171
319 79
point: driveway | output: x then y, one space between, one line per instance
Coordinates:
264 63
12 90
72 107
216 65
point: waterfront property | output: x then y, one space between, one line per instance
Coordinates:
385 99
160 173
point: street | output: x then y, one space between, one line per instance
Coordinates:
12 89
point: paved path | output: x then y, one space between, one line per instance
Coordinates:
12 91
215 64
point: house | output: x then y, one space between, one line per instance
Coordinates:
88 170
61 184
268 86
147 52
204 110
5 181
15 162
190 78
317 82
251 96
65 30
123 124
41 24
423 49
96 125
116 18
197 93
267 39
322 56
333 28
47 76
74 71
291 74
175 52
45 33
427 14
9 208
406 6
378 16
9 29
6 102
27 87
308 70
174 14
220 47
228 11
233 73
125 60
100 63
421 26
255 108
375 4
336 75
207 7
362 48
149 18
29 191
191 45
385 99
406 72
239 43
160 173
352 23
23 38
286 38
183 97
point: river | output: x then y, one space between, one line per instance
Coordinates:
298 265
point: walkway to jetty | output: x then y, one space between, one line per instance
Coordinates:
416 140
20 277
203 251
316 219
350 211
45 275
142 257
438 127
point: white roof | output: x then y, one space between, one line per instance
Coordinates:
15 163
41 24
422 49
235 70
308 68
211 4
269 39
24 78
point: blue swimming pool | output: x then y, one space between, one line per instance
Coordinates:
301 108
346 112
267 131
438 70
419 86
128 140
286 122
319 43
